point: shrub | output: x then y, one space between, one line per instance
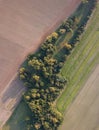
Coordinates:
62 31
67 46
52 37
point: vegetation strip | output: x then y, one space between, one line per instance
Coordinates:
77 78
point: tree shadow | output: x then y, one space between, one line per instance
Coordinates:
13 93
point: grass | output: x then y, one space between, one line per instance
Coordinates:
80 63
17 120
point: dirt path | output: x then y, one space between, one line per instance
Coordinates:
23 25
83 114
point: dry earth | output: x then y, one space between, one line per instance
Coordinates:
23 25
83 113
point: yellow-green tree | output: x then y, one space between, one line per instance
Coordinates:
52 37
36 78
67 46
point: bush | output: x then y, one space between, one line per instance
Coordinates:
52 38
67 46
62 31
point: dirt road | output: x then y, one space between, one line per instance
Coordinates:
23 25
83 114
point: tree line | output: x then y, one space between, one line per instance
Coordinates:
41 76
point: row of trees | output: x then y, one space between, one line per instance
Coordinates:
41 76
90 4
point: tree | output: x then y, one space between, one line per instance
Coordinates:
49 39
50 49
67 25
22 70
35 63
47 49
85 1
27 98
37 126
49 61
36 78
22 77
52 89
62 31
67 46
52 37
46 125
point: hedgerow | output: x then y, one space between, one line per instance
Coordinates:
41 75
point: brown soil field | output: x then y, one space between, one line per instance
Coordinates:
23 26
83 114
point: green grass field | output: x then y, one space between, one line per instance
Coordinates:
80 63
